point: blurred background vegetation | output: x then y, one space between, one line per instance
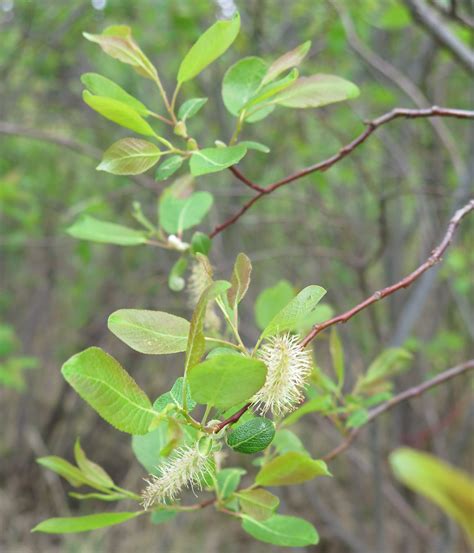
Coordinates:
364 224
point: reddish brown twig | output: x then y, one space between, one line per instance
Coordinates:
395 400
245 180
434 258
372 126
404 283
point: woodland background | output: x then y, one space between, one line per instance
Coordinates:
367 222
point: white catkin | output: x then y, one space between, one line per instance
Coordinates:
186 469
288 369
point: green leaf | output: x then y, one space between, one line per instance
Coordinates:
70 525
286 440
228 481
93 472
290 468
100 496
317 404
252 145
175 396
240 280
177 215
299 307
163 515
119 113
282 530
101 86
168 167
64 468
129 156
337 356
258 504
271 301
101 381
389 363
316 91
201 243
225 380
189 108
209 46
291 59
152 332
251 436
258 101
117 42
358 418
90 228
196 340
213 160
449 488
241 82
147 447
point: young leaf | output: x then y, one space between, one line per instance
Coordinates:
177 215
117 42
267 92
152 332
196 340
389 363
225 380
129 156
101 86
176 280
119 113
101 381
258 504
252 145
189 108
201 243
290 468
228 481
147 447
240 280
70 525
299 307
175 396
291 59
337 355
451 489
213 160
316 91
271 301
317 404
241 82
168 167
282 530
286 440
252 436
209 46
93 472
64 468
89 228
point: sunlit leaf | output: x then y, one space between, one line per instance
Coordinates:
89 228
129 156
189 108
290 468
70 525
213 160
282 530
291 59
258 504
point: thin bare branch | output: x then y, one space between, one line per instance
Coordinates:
410 393
324 165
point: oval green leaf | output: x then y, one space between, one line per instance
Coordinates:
168 167
241 82
226 380
90 228
209 46
152 332
176 214
189 108
291 59
71 525
258 504
102 382
119 113
213 160
290 468
129 156
282 530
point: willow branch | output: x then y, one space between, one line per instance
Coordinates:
415 391
371 127
434 258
